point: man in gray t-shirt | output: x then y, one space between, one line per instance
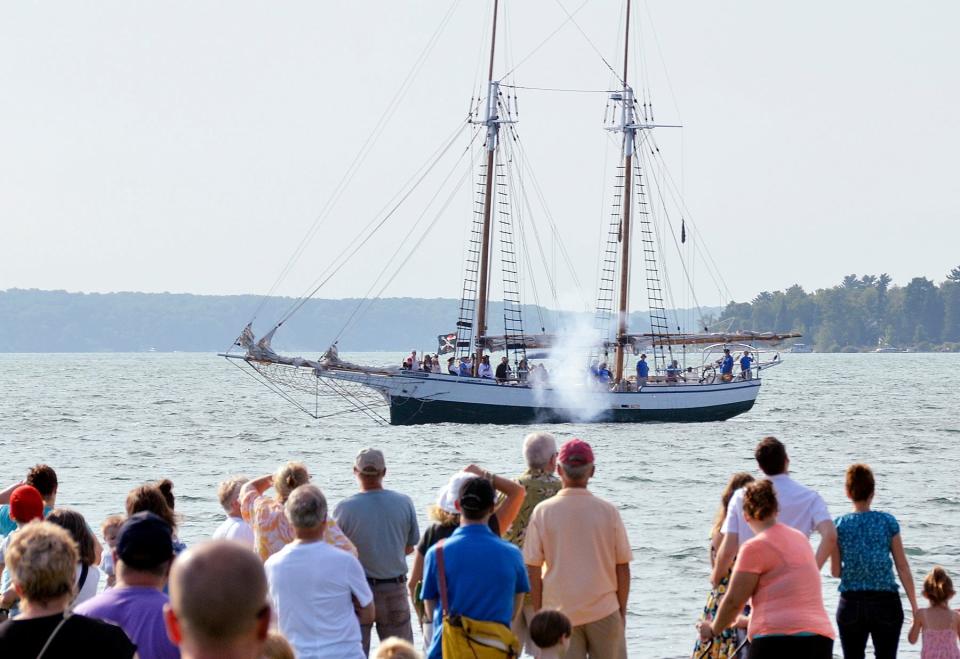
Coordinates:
382 524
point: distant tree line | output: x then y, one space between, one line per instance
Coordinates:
59 321
859 313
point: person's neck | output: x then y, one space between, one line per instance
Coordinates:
30 609
242 649
556 652
574 485
370 486
50 501
861 506
307 536
128 578
484 521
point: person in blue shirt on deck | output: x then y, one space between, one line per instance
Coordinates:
486 577
466 370
745 362
643 371
726 366
603 374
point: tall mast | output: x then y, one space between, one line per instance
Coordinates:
628 128
493 90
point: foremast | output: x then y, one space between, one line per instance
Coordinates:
629 130
493 129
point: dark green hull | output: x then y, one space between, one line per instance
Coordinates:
412 411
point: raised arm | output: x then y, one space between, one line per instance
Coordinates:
903 570
7 491
828 540
513 495
261 485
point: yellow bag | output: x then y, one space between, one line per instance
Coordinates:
473 639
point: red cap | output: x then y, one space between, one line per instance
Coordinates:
575 452
26 504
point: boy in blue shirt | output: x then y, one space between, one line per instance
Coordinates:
643 371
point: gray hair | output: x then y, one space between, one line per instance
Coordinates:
306 507
538 448
229 490
577 472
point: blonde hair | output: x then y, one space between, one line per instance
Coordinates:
228 491
396 648
938 587
111 522
42 559
442 517
737 481
277 647
289 477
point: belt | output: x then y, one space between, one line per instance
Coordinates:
401 579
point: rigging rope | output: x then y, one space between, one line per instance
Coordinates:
544 42
366 300
344 256
358 160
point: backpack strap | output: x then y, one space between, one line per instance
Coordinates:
84 572
442 576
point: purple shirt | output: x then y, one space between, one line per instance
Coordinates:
139 612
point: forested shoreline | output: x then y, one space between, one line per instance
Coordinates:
853 316
859 313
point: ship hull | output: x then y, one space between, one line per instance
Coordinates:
417 398
412 411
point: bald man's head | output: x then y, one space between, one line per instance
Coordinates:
218 598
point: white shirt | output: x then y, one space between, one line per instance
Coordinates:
800 508
234 528
311 586
485 371
89 586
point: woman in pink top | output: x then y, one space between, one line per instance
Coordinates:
777 571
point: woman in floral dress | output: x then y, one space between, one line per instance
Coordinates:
725 645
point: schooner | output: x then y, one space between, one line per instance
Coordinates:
675 391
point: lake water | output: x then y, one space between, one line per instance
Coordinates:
108 422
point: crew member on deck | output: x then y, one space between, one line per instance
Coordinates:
452 367
411 363
485 371
603 374
726 366
674 371
466 369
503 370
745 363
643 371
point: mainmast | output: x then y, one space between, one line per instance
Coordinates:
493 125
628 128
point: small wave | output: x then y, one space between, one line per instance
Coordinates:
65 419
950 501
165 401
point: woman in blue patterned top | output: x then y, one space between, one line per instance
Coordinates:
869 600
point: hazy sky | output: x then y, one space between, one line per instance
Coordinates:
188 146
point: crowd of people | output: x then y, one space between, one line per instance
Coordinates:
535 564
288 575
766 599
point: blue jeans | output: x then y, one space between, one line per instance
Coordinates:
874 613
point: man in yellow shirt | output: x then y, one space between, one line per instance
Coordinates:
578 559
